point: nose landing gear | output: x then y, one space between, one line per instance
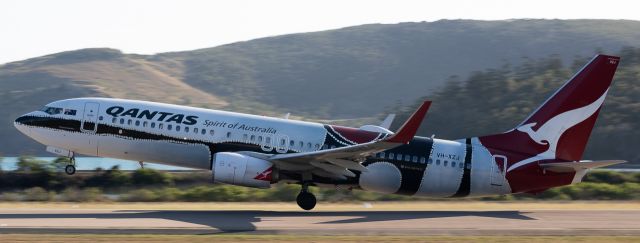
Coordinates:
305 199
70 169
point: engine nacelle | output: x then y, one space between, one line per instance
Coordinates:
382 177
242 170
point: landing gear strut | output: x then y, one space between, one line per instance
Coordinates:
305 199
70 169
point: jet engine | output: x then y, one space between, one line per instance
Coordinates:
382 177
242 170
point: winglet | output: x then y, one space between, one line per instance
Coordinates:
408 130
387 121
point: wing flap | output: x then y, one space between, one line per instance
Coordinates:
352 165
333 168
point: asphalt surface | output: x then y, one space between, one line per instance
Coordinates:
535 222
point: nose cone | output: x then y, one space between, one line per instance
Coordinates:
20 124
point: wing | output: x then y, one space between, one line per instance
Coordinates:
337 162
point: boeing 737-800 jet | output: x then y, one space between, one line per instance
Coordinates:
542 152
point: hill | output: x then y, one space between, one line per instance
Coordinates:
495 100
346 73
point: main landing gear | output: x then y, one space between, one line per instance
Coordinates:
305 199
70 169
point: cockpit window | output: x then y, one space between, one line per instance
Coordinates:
55 111
51 110
72 112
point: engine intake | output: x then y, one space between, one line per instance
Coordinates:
242 170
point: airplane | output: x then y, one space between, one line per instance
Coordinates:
543 151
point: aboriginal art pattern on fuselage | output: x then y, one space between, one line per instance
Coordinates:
410 159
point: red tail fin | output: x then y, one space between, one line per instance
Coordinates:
560 127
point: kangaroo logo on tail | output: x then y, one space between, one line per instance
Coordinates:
558 131
551 131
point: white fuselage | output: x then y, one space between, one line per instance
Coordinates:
189 137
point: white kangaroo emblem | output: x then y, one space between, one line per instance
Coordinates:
550 132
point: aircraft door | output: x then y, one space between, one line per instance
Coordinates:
498 170
90 117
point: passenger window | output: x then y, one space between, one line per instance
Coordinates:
267 140
332 146
137 123
437 162
398 156
292 143
153 125
228 134
253 138
169 127
407 158
283 142
114 120
309 145
211 132
445 163
245 137
317 146
144 124
301 144
382 155
121 120
259 139
195 130
99 118
415 159
422 160
186 129
461 165
391 155
129 122
177 128
160 125
204 131
453 164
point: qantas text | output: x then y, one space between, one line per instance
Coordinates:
161 116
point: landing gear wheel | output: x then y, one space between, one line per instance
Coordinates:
306 200
70 169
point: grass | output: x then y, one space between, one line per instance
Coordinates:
327 206
303 238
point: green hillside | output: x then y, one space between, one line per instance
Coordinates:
496 100
355 72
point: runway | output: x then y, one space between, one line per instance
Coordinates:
532 222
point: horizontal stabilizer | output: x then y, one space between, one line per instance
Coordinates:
578 166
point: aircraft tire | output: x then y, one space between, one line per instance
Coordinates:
70 169
306 200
